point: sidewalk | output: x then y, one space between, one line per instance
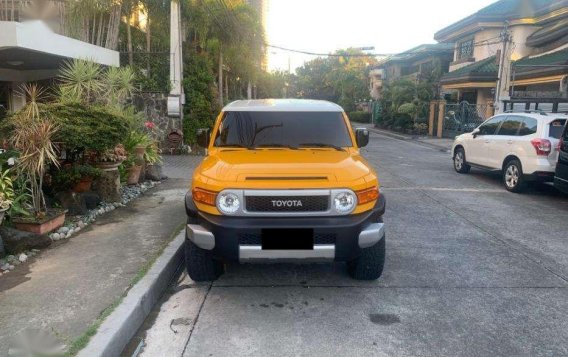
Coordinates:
66 288
437 143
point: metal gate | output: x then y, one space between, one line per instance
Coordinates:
462 118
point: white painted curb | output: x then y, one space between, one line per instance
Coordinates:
121 325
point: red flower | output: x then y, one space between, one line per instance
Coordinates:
149 125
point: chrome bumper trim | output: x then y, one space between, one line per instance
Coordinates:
249 253
200 236
371 235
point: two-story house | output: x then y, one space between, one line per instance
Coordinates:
33 47
412 65
536 54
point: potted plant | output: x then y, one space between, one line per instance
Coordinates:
110 159
153 161
32 137
6 193
78 178
134 168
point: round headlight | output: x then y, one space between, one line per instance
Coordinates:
344 202
228 203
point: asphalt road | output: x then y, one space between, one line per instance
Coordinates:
471 270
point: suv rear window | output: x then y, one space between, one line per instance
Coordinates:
555 128
254 129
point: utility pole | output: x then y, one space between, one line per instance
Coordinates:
176 99
504 74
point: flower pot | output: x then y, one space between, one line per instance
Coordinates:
140 150
133 175
111 165
53 219
84 185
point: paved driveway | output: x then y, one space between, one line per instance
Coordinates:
471 270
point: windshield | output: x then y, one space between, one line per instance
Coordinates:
283 129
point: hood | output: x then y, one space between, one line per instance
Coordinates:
273 165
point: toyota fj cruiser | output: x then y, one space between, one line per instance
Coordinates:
284 181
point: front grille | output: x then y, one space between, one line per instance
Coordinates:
256 238
287 203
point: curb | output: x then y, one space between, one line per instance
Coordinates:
122 324
408 138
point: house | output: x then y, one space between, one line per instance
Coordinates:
34 50
414 64
535 62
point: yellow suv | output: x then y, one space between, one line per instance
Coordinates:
283 180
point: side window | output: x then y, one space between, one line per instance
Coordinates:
510 125
528 126
490 126
555 128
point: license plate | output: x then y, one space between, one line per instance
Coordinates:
288 239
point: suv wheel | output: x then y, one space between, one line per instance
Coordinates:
460 165
513 176
199 262
369 265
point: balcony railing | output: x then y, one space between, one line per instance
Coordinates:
539 95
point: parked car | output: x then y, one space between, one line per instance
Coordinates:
284 180
522 146
561 175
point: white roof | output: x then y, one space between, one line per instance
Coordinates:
537 115
282 105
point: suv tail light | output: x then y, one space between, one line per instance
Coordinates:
542 146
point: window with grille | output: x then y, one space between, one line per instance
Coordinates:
465 49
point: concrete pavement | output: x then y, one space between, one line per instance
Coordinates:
471 270
64 290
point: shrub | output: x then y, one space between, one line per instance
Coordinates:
403 121
85 127
73 174
360 117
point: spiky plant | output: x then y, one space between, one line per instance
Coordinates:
81 81
119 82
32 138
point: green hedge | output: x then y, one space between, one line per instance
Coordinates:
360 117
84 127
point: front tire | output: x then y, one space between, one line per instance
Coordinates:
369 265
513 176
460 165
200 264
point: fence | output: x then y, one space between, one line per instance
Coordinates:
449 120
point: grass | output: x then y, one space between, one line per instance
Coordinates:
81 342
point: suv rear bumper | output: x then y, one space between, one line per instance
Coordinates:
239 238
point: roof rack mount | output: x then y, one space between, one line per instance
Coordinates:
541 112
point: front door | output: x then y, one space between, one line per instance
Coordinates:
479 148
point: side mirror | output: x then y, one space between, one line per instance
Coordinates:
203 137
475 132
362 137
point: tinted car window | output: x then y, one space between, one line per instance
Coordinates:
528 126
490 126
254 129
510 125
555 128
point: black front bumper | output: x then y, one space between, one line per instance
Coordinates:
343 231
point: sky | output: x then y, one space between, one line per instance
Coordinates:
324 26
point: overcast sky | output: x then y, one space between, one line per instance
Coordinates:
326 25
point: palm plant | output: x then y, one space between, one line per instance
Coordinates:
32 138
119 84
80 81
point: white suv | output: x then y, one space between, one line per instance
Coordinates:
523 146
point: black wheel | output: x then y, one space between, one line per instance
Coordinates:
199 263
513 176
460 165
369 265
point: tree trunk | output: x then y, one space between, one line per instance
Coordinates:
249 90
220 87
129 41
227 88
148 42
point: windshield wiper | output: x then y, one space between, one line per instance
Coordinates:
322 145
276 146
234 146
